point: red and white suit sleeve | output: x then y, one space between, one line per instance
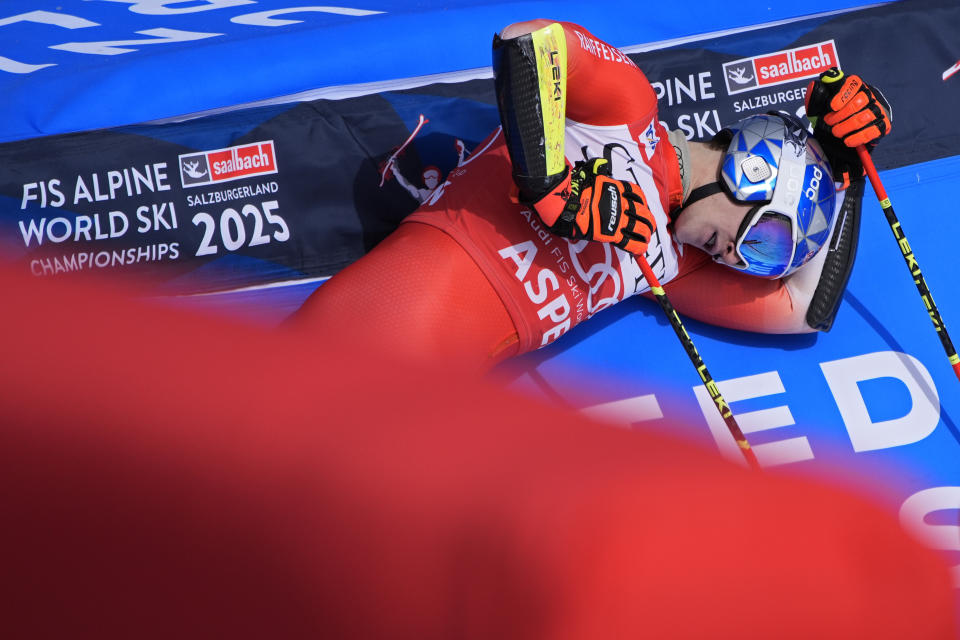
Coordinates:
720 296
604 86
606 89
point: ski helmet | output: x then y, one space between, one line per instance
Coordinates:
774 162
428 173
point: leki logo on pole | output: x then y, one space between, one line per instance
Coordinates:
779 67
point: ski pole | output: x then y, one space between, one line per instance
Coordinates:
698 364
910 258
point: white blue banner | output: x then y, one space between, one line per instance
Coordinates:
76 65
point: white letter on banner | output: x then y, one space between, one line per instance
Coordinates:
40 17
756 386
945 537
12 66
267 19
48 17
623 413
116 47
162 8
865 435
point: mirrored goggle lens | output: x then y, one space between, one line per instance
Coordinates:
767 246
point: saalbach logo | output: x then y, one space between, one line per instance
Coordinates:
779 67
224 165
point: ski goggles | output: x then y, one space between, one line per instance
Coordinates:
765 242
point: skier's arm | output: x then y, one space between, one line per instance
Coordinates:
403 182
544 72
604 86
805 301
718 295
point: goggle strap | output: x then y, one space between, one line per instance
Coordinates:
702 192
699 193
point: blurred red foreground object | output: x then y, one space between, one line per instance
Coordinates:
169 475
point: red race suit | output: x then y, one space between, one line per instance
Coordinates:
548 284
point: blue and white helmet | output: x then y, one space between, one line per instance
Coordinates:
773 161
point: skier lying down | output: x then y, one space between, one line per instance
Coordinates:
538 231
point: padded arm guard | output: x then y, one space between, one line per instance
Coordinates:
839 261
530 78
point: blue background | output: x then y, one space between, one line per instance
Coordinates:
248 63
